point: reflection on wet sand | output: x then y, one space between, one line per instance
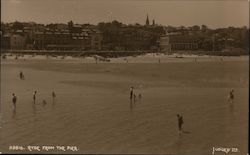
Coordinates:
34 109
14 113
131 105
231 107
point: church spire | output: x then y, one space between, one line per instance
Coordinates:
147 21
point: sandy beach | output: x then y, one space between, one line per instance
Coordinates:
92 109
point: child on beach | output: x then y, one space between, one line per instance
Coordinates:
44 102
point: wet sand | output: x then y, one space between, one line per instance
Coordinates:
92 109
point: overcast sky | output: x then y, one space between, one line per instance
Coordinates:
214 14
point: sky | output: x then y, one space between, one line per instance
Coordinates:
213 13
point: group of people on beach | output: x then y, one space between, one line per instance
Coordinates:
14 97
132 98
179 116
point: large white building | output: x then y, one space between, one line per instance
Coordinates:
164 44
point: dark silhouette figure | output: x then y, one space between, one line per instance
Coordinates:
231 96
44 102
53 96
21 75
131 93
14 99
180 122
34 97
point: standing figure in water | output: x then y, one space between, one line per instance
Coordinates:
14 99
231 96
21 75
180 123
53 96
131 93
44 102
34 97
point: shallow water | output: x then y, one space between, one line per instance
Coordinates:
93 112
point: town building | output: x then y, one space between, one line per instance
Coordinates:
171 42
164 45
5 41
32 36
53 40
83 39
95 39
17 42
183 42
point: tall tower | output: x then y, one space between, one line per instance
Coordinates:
147 21
153 23
70 25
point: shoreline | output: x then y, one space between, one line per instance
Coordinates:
95 59
118 54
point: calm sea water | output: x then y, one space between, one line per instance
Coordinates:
93 112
